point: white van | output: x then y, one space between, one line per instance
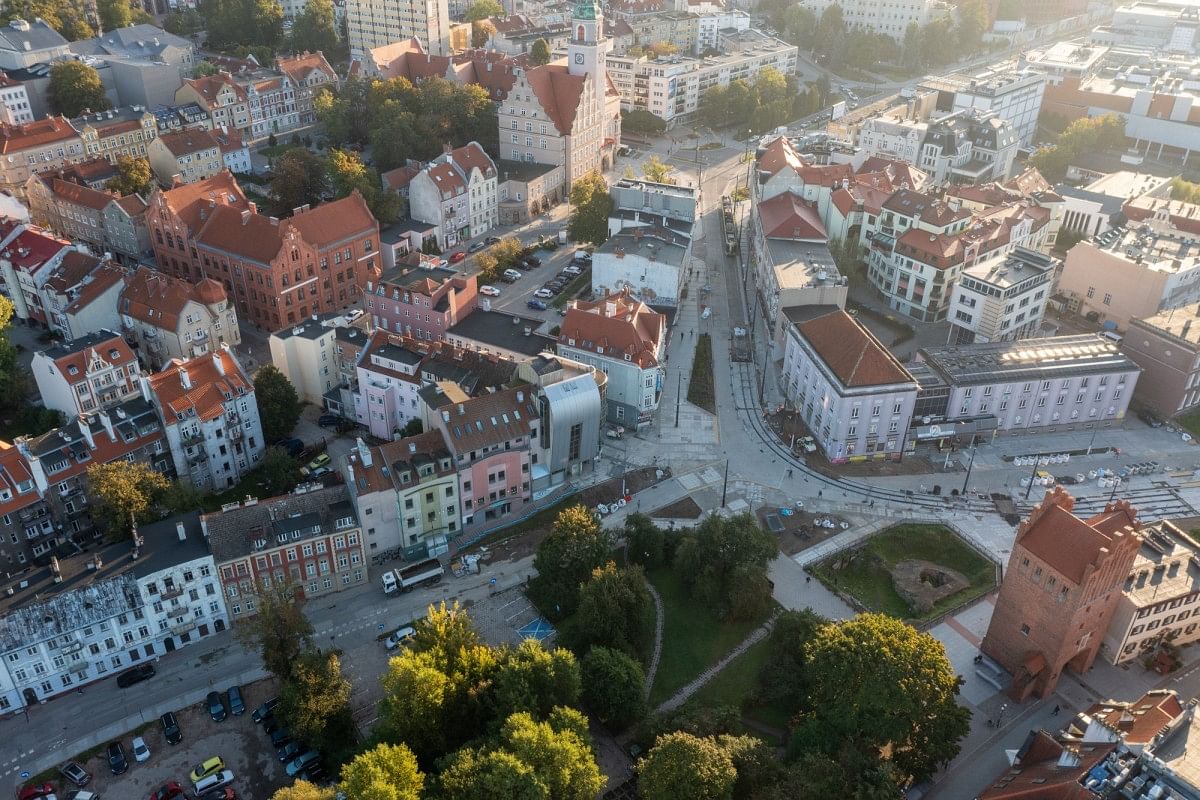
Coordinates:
1112 336
214 781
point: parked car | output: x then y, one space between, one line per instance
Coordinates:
216 706
1150 419
492 240
168 791
302 762
535 304
36 792
533 261
116 758
328 420
476 247
511 276
140 751
573 270
222 778
209 766
543 293
280 737
75 773
320 461
265 710
457 257
237 706
170 726
289 751
293 447
399 637
135 675
489 291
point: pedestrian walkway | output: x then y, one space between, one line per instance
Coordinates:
660 617
680 697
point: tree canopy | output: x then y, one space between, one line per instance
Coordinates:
482 9
1183 190
301 178
315 701
681 766
539 52
133 177
279 631
614 686
1081 136
658 171
565 559
614 610
783 681
68 17
75 87
723 563
120 14
590 206
769 101
278 403
243 23
124 491
347 172
385 772
315 28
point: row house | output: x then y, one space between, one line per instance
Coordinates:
14 101
117 132
272 103
308 73
456 192
224 102
311 539
235 155
420 301
103 220
96 371
32 147
407 491
28 255
167 318
188 156
210 418
389 382
81 617
44 504
276 271
80 296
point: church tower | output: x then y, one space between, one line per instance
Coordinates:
587 48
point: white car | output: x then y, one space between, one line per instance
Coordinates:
399 637
489 291
140 751
511 275
543 294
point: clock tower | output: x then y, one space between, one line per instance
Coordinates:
587 48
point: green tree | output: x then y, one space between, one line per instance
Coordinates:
348 173
278 403
300 179
972 24
315 701
279 631
534 680
661 49
278 473
133 177
1185 191
76 87
641 121
412 428
830 34
783 680
547 760
446 631
68 17
204 68
817 776
723 563
911 47
180 498
685 767
614 686
798 26
481 32
713 108
123 491
385 772
565 559
539 52
507 251
114 14
183 22
482 9
877 684
590 206
303 790
615 610
645 542
315 29
657 171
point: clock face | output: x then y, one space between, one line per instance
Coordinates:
579 58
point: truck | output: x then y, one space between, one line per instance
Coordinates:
422 573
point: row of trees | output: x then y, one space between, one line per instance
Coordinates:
1081 136
302 177
242 23
770 100
402 121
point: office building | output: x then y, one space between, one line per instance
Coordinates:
377 23
1002 298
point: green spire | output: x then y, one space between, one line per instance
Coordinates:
585 9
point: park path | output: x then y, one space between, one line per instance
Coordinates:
660 616
680 697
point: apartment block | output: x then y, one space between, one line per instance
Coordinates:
1002 298
420 301
28 256
32 147
376 23
117 132
80 296
104 221
188 156
166 318
880 16
306 354
96 371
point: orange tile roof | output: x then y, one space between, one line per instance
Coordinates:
132 205
209 86
852 352
228 140
779 154
208 386
299 67
337 221
471 156
15 138
14 470
446 178
242 233
1140 721
73 268
33 247
558 92
928 209
81 195
112 349
619 324
1036 774
787 216
188 141
1070 544
158 299
400 177
193 202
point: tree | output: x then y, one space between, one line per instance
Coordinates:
615 610
534 680
565 559
723 563
278 473
133 177
481 33
661 49
385 772
75 87
204 69
830 33
641 121
180 498
507 251
798 26
68 17
315 28
303 790
348 174
657 171
685 767
547 760
279 631
590 206
972 24
645 542
114 14
539 52
783 680
278 403
1185 191
614 686
123 491
315 701
878 685
446 631
411 428
234 24
850 774
183 22
482 9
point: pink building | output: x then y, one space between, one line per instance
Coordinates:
420 302
388 381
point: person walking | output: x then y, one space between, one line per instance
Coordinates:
1054 713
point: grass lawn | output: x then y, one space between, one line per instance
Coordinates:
734 684
1190 423
256 484
693 637
868 579
701 391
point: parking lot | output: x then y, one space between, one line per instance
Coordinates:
243 746
515 296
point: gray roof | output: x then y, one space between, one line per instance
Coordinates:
655 243
395 352
503 331
309 328
1109 204
1047 358
393 233
351 335
79 345
408 276
136 41
130 419
91 591
237 532
522 171
40 36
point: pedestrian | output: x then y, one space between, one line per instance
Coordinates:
691 333
818 492
808 578
1054 713
681 336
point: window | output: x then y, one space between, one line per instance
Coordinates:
1025 630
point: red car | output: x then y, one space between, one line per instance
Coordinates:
168 791
36 792
457 257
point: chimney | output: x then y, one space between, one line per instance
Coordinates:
106 421
181 531
520 396
185 380
219 363
86 430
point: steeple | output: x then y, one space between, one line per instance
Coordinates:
587 47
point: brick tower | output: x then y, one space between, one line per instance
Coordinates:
1063 581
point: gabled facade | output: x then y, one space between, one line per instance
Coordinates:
104 221
80 296
308 73
83 375
456 192
420 302
188 156
117 132
223 100
32 147
167 318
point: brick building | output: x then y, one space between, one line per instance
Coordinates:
1062 585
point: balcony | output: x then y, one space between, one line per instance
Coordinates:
35 511
235 434
198 458
191 438
171 593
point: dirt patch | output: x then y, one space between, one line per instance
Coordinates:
684 508
924 584
635 481
800 529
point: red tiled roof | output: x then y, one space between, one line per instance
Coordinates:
209 385
558 92
471 156
1182 216
336 221
81 195
619 324
1070 544
132 205
32 248
780 154
73 268
400 177
14 470
158 299
209 86
193 202
926 208
228 140
852 352
388 461
1036 774
243 233
446 178
101 279
15 138
1140 721
901 174
114 351
786 216
298 68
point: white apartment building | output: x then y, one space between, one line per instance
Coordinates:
211 419
306 354
718 21
88 616
1013 94
376 23
1001 298
456 192
86 374
892 137
889 17
14 101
